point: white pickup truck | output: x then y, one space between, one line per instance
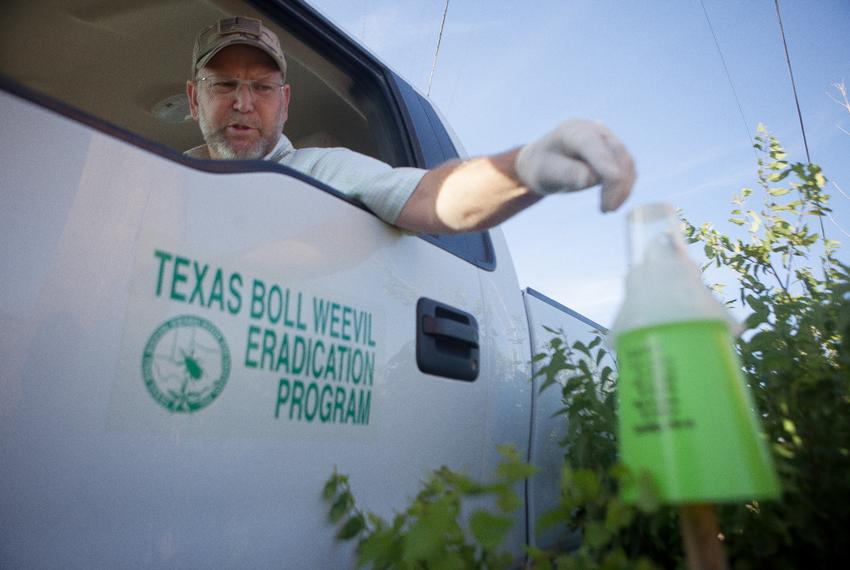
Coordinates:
188 348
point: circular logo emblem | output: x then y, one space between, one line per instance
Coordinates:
186 363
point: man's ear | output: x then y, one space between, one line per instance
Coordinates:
192 95
286 96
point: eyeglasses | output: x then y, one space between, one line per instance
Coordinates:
259 88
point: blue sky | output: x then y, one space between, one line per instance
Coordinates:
510 71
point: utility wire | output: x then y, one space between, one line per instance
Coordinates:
799 116
437 51
796 100
793 83
728 75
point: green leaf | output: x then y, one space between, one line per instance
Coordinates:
508 451
596 535
489 529
600 355
783 451
330 488
427 535
754 320
351 528
376 521
507 500
778 191
779 176
584 485
450 560
617 514
516 470
551 519
581 347
378 547
341 506
756 223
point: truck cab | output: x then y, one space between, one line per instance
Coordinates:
189 347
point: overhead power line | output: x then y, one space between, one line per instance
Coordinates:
437 51
793 83
796 98
728 75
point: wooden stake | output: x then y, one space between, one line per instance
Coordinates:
700 535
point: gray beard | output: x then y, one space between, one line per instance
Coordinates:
217 142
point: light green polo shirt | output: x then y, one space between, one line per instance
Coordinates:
378 186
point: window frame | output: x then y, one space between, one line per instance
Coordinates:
434 146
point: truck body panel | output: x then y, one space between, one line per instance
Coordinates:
548 319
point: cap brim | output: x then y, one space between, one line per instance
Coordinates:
244 41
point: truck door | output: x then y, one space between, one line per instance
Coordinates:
190 348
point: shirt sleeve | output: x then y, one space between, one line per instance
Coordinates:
380 187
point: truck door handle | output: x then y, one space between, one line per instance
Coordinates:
451 329
446 341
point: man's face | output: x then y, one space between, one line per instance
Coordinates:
239 125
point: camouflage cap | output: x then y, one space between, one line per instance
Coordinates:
236 30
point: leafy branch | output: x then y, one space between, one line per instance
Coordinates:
429 533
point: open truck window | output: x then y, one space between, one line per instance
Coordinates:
126 62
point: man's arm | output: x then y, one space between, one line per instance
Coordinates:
468 195
479 193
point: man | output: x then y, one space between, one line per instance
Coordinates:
239 96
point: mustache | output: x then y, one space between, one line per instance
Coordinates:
241 121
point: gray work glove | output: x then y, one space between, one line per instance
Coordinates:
577 155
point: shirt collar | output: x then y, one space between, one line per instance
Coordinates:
280 150
198 152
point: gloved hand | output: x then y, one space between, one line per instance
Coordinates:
577 155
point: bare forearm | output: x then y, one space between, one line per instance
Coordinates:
466 196
481 192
